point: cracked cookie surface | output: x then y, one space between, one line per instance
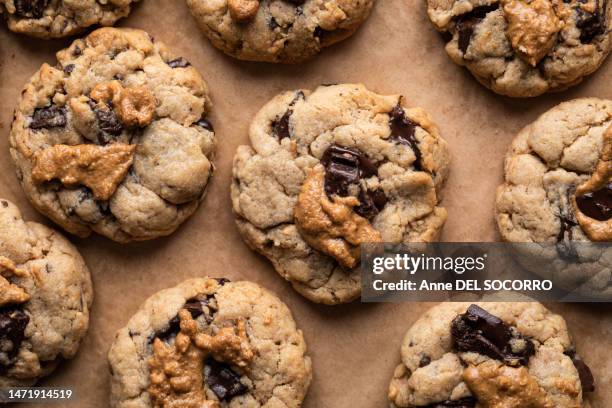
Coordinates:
113 139
491 354
45 298
558 190
62 18
524 48
210 343
284 31
333 168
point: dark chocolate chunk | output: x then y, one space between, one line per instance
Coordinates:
169 332
584 372
296 2
222 281
280 126
222 380
425 360
273 24
179 63
49 117
108 122
479 331
403 132
371 202
30 8
467 402
204 123
591 24
596 205
68 69
466 24
13 322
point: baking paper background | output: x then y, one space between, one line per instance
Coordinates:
354 347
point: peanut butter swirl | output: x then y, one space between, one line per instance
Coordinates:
10 293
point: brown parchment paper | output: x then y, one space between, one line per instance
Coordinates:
354 347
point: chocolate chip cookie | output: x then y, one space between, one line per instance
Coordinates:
491 354
60 18
283 31
45 297
558 190
524 48
210 343
329 170
114 137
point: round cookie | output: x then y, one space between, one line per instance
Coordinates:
330 169
60 18
526 48
45 298
210 343
113 139
283 31
488 354
558 191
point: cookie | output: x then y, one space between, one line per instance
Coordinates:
283 31
210 343
45 298
114 138
56 18
329 170
525 48
492 354
558 190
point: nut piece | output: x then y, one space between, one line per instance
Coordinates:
243 10
101 168
10 293
497 385
332 227
177 372
532 27
134 106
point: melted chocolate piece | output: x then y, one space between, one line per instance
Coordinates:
13 322
179 63
403 132
584 372
565 248
597 204
467 402
591 24
222 380
108 122
466 24
280 127
424 361
479 331
204 123
30 8
68 69
50 117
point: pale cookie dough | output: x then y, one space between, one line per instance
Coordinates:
283 31
210 343
558 191
490 355
329 170
114 138
61 18
45 298
524 48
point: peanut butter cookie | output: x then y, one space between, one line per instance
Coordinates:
60 18
284 31
524 48
491 354
558 190
113 139
329 170
210 343
45 297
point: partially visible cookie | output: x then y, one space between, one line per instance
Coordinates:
558 190
284 31
493 354
45 298
329 170
60 18
210 343
525 48
114 139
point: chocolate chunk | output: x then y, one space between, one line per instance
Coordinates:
403 132
280 126
49 117
565 247
108 122
30 8
584 372
179 63
467 402
466 24
222 380
196 305
371 203
591 24
68 69
596 205
169 332
222 281
273 24
13 323
424 361
204 123
296 2
479 331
